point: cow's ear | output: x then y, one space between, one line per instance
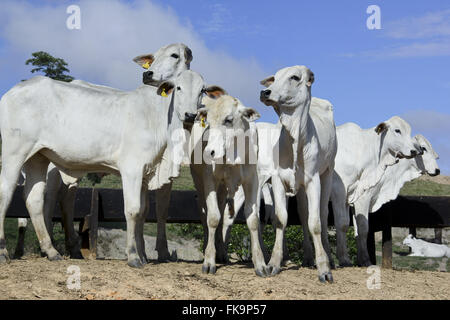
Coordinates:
310 78
249 114
267 81
165 88
381 128
214 92
145 60
188 55
202 114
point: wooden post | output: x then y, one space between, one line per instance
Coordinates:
89 229
387 243
438 235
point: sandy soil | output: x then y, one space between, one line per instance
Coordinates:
38 278
438 179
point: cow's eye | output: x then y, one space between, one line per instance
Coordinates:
398 131
424 149
174 55
295 78
178 88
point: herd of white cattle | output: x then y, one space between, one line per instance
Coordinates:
55 132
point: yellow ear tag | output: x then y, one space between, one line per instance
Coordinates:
163 93
146 65
202 122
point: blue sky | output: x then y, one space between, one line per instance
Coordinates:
368 75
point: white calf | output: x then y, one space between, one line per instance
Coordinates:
421 248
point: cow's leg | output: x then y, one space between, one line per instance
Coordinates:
302 210
251 211
269 209
197 174
22 224
141 222
341 222
230 212
213 219
73 241
313 192
326 180
132 188
362 221
162 210
223 201
52 192
280 224
36 173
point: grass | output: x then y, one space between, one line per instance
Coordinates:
425 188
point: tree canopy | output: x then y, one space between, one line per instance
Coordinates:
52 67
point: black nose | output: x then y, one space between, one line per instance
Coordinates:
265 94
147 77
213 153
438 172
413 153
189 117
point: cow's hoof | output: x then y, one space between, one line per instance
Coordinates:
54 257
167 257
76 255
326 277
4 258
209 269
345 265
308 264
273 270
365 264
135 263
263 272
18 254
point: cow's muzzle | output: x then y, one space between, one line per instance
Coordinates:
189 117
147 78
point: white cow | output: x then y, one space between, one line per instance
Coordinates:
307 145
231 169
362 160
421 248
82 130
167 63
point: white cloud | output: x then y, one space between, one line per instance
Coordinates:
435 126
422 36
433 24
114 32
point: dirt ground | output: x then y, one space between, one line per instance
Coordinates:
38 278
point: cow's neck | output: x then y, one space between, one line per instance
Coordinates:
371 175
296 122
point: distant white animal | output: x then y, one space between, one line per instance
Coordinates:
83 130
421 248
307 149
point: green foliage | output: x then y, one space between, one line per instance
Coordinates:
52 67
240 242
425 188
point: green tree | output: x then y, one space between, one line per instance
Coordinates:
52 67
